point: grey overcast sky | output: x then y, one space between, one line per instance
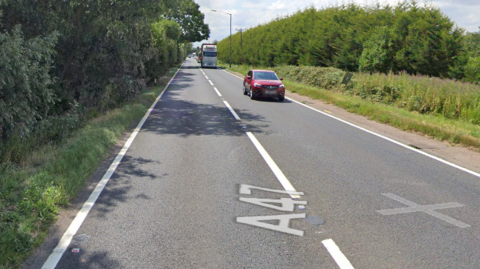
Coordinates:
249 13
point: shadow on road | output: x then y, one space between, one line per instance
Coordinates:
120 184
191 67
98 259
178 116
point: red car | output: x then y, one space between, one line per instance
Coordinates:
263 83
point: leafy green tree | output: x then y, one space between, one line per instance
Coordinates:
468 63
105 51
472 70
418 39
26 93
187 14
377 54
165 34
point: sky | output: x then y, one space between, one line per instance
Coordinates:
250 13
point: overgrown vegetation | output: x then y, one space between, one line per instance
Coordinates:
72 74
62 62
31 193
426 95
408 37
440 108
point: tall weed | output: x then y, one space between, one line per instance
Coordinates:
425 95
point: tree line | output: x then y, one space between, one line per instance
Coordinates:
407 37
61 59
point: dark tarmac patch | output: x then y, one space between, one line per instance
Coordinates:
315 220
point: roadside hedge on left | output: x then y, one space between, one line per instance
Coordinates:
71 75
31 194
62 62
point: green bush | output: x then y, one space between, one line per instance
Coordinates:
426 95
410 36
26 95
30 196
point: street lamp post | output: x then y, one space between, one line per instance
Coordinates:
240 30
241 45
230 62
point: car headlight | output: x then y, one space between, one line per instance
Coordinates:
257 85
281 86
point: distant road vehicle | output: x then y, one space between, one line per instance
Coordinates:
263 83
208 55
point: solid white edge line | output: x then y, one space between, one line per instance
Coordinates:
391 140
384 137
66 239
273 166
218 93
337 254
232 74
231 110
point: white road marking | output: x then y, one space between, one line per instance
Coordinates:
329 244
210 82
429 209
64 242
218 93
383 137
232 74
231 110
273 166
282 226
337 254
393 141
247 189
206 76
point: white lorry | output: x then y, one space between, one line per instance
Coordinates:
208 55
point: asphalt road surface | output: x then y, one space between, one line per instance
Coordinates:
187 193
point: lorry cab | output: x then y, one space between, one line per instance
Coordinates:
209 55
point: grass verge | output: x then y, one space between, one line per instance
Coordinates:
31 194
455 131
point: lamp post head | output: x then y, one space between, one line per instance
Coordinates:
214 10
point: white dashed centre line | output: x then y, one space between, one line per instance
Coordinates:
381 136
218 93
231 110
337 254
329 244
273 166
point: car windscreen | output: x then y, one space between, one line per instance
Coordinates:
265 76
209 54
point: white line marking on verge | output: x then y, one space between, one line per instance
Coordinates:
336 254
273 166
383 137
218 93
64 242
231 110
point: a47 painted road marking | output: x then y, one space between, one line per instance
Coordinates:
286 204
